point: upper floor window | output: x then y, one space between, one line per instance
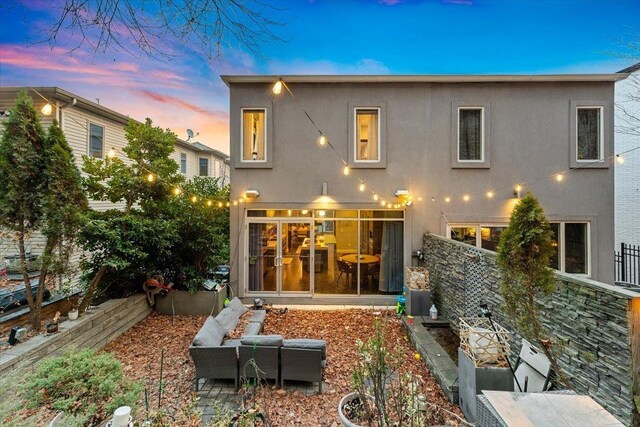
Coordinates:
254 139
183 163
203 167
589 134
367 135
96 141
470 134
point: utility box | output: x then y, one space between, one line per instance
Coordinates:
472 380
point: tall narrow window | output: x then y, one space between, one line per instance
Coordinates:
183 163
203 167
254 135
575 252
589 134
367 135
96 140
470 134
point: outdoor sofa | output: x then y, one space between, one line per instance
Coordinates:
253 355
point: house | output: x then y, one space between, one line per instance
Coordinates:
627 174
447 154
93 130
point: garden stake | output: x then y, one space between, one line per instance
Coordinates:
160 384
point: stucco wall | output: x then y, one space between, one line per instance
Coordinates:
595 322
530 128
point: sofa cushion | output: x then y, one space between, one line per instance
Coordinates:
252 328
308 344
272 340
228 319
231 343
258 316
210 334
237 306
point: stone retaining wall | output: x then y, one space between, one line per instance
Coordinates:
598 324
93 330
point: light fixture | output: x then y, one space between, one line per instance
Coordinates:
177 191
375 196
209 203
194 199
228 204
220 204
304 211
235 203
346 170
559 177
362 186
321 213
389 205
289 212
490 194
517 191
402 193
466 197
251 194
619 159
409 203
322 140
433 199
241 199
383 202
47 109
447 199
111 153
151 178
277 87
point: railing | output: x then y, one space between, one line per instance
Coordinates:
627 264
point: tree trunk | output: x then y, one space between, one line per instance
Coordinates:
36 310
35 321
91 290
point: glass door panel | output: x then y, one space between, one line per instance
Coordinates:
296 263
263 257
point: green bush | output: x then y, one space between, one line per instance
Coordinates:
82 383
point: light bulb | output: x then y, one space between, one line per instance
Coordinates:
322 140
47 109
362 186
209 202
177 191
619 159
289 212
375 197
111 154
490 194
382 202
235 203
518 188
194 199
466 197
150 177
389 205
559 177
321 213
304 212
220 204
447 199
228 204
346 170
433 199
277 87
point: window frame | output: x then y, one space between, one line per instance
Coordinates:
182 153
606 133
482 135
267 141
200 166
367 104
478 226
89 124
600 108
355 135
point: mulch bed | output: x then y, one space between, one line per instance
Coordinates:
140 351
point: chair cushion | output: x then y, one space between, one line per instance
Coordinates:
231 343
258 316
210 335
237 306
308 344
253 328
272 340
228 319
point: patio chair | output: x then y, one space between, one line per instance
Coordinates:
260 353
302 360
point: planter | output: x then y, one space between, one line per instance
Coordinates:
73 314
345 400
418 301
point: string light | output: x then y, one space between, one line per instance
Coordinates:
209 203
47 109
194 199
219 204
375 196
346 170
466 197
433 199
177 191
490 194
389 205
277 87
518 188
383 202
619 159
362 186
112 153
228 204
235 203
559 177
151 178
322 140
447 199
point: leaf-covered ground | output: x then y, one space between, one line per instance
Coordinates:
140 351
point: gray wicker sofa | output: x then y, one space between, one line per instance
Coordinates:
272 356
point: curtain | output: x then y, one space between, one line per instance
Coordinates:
588 134
391 266
253 128
367 135
470 142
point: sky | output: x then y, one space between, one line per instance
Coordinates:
320 37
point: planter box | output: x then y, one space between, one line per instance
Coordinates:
418 301
472 380
192 304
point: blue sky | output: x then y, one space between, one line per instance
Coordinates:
326 37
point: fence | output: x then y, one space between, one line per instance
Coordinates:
627 264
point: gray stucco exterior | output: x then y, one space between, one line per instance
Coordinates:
528 134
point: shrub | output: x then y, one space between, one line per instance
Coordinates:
82 383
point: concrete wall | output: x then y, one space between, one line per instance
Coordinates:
529 138
93 330
627 175
596 323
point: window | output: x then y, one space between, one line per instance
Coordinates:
589 134
470 134
254 135
482 236
367 135
571 240
183 163
96 140
203 165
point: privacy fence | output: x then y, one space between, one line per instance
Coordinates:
597 324
628 264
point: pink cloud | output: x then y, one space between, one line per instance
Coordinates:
172 100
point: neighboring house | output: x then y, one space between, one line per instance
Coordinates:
92 130
311 232
627 175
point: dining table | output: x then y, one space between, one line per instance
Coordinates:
362 259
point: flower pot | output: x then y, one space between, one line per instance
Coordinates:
73 314
346 422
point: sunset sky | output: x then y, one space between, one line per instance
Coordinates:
323 37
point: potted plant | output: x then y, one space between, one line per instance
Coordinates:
68 290
417 291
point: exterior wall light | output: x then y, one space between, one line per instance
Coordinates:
402 193
517 191
251 194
